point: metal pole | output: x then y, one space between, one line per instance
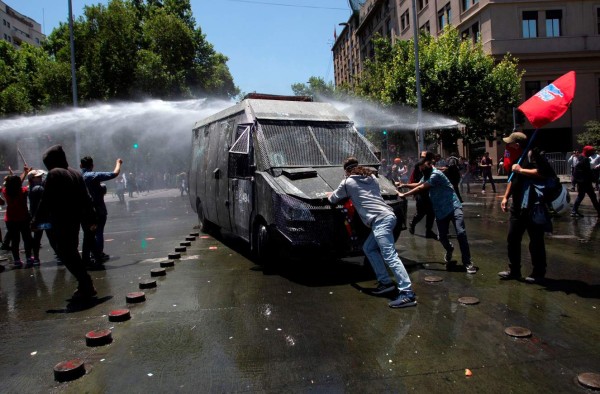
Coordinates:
73 76
419 130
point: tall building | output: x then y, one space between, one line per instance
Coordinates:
17 28
548 37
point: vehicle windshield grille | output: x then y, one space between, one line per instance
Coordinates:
303 144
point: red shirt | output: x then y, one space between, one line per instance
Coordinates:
16 207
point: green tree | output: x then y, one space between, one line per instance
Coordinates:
457 79
315 87
591 136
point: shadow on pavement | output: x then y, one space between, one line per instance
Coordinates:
81 305
569 286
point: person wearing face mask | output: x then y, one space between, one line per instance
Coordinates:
447 208
362 188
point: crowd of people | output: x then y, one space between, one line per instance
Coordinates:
435 184
60 202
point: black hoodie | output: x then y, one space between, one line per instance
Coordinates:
65 201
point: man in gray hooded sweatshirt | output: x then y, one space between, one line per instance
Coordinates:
362 188
66 205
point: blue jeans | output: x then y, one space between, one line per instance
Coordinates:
380 250
458 219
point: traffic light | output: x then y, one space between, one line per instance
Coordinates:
385 132
135 145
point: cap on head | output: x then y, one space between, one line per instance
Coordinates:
397 160
588 150
517 136
35 173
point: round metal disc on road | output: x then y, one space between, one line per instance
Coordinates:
186 243
98 338
135 297
167 264
147 284
119 315
172 256
433 279
194 234
590 380
180 249
468 300
158 272
518 332
69 370
190 238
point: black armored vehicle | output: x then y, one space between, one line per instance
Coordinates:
261 170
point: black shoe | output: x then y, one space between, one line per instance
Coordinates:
509 275
84 293
382 289
471 269
431 234
576 215
448 255
102 258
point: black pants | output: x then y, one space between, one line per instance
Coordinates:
424 209
16 230
582 190
520 221
66 237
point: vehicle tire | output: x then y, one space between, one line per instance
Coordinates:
263 248
205 225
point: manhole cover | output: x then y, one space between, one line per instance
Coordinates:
135 297
69 370
590 380
147 284
468 300
98 338
119 315
158 272
432 279
518 332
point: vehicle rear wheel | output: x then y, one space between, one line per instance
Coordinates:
205 225
264 249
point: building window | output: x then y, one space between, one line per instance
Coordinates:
531 88
530 24
422 4
404 20
444 16
598 18
471 33
426 28
4 21
553 22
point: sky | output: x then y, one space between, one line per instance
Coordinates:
271 44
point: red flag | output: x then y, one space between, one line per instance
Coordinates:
550 103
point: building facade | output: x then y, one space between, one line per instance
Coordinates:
548 37
17 28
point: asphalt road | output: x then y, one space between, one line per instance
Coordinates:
217 323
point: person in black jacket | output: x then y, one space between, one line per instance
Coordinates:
66 205
583 176
423 203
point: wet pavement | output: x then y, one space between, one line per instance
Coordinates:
217 323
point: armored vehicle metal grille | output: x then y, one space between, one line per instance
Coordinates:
311 144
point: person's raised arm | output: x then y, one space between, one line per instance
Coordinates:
117 169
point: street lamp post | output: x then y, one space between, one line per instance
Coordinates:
419 131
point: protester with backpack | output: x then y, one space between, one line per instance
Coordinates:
584 176
528 212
